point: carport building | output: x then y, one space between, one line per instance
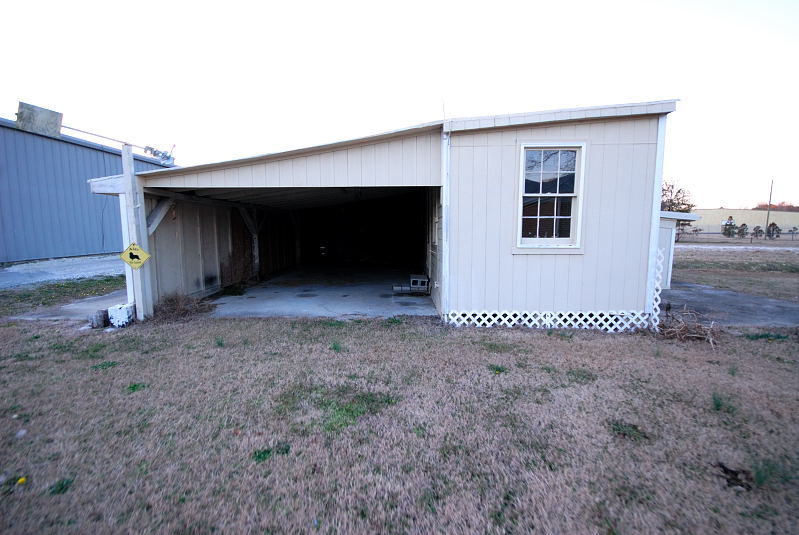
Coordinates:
547 219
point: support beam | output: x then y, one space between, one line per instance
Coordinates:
109 185
254 227
196 199
295 223
249 221
136 221
157 215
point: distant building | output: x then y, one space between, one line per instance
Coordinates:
712 218
46 210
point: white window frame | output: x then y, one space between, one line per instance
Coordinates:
574 242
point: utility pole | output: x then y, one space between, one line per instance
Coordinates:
768 212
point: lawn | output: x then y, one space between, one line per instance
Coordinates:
26 298
762 271
394 426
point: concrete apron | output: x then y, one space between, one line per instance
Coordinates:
341 294
726 307
77 310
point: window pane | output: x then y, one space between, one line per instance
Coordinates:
532 171
550 161
564 227
546 227
528 227
566 183
564 206
532 185
547 206
549 184
567 160
530 207
533 161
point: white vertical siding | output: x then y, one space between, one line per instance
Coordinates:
486 270
411 160
666 237
188 247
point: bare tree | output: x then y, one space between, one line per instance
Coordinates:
674 199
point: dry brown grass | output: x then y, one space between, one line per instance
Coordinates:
234 426
764 272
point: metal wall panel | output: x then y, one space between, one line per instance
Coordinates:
46 208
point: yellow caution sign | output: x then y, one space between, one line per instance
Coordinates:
134 256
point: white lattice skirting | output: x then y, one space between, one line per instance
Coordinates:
604 321
611 321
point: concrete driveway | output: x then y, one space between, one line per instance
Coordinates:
60 269
726 307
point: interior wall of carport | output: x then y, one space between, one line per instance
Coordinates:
198 249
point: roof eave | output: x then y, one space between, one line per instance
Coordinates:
252 160
660 107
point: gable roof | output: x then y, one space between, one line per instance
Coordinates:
660 107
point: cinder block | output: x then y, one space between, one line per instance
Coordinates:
121 315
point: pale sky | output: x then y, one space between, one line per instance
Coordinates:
223 80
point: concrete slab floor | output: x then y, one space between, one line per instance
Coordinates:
726 307
336 293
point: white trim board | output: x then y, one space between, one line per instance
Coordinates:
654 230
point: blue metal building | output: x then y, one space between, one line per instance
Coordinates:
46 208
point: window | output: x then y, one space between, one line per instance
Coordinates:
549 196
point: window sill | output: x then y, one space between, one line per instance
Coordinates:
547 249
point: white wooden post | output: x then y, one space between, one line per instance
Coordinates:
125 242
136 222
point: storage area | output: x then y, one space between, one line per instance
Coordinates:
315 251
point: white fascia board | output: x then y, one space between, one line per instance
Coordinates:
679 216
569 114
445 221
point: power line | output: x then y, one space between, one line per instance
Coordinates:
104 137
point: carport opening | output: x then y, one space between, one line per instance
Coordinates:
345 246
371 235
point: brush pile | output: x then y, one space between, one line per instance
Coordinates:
180 308
688 325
